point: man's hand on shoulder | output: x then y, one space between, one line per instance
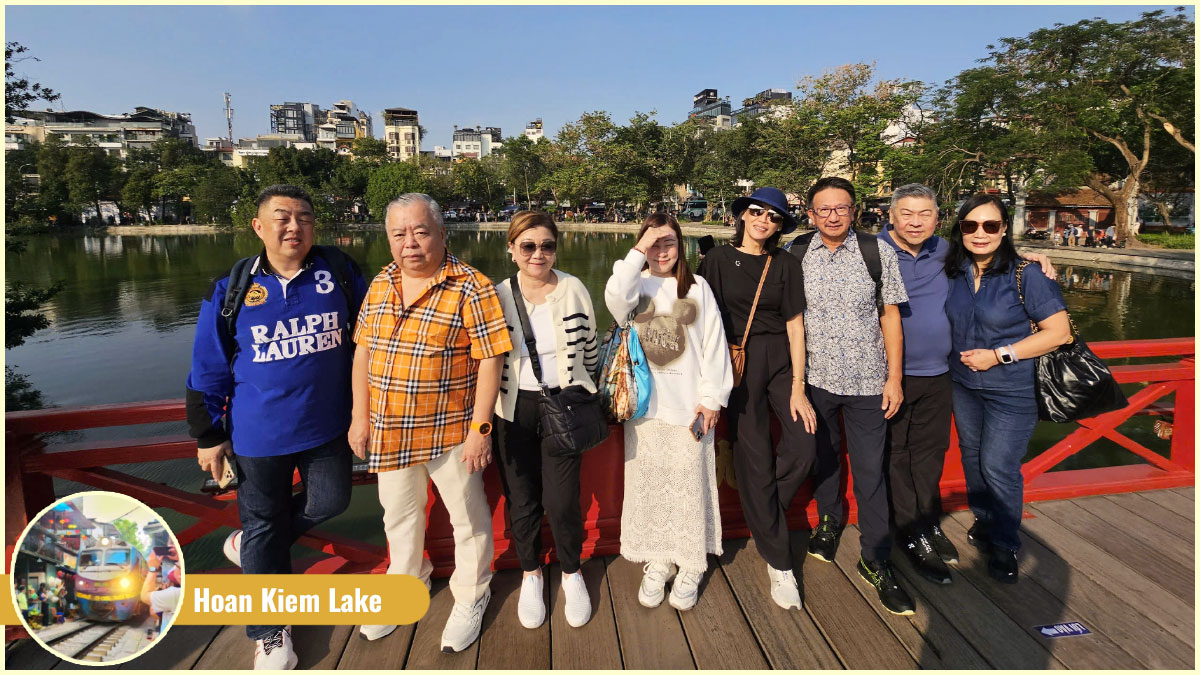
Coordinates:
1042 260
210 458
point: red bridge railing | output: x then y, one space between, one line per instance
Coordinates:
31 464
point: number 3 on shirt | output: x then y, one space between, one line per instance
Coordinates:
324 281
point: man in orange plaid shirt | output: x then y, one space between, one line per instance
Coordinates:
431 340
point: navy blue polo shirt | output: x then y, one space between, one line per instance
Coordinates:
993 317
926 328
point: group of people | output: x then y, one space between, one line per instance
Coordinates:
44 605
299 363
1087 235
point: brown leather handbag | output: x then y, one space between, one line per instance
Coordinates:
737 353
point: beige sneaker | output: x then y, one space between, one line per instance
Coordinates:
462 628
577 606
654 583
275 651
784 590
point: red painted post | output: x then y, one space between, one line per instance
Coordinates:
1183 438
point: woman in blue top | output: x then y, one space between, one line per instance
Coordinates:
992 366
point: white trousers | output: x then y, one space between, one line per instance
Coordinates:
404 493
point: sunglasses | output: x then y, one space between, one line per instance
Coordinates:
528 247
772 216
989 226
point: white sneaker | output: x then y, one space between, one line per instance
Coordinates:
462 628
578 606
375 632
233 547
531 607
784 591
686 590
654 583
275 652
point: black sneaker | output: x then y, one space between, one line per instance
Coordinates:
1002 566
942 544
823 543
880 575
979 537
926 559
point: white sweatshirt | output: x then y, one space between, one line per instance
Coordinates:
684 340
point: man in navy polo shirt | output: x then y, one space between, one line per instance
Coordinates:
919 433
276 393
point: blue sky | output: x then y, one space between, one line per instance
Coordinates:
493 66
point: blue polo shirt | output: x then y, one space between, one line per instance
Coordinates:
926 328
993 317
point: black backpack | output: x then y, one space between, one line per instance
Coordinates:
243 270
868 246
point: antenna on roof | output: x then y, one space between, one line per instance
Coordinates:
229 117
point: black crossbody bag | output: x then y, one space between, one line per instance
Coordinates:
572 421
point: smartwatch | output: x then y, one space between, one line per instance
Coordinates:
153 569
484 428
1006 355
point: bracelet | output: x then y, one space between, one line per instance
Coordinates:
639 250
1012 352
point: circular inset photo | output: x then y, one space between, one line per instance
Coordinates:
97 578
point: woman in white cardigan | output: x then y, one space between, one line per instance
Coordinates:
670 519
564 327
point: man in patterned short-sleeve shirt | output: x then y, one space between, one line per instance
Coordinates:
854 367
430 339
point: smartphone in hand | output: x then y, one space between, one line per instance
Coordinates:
697 427
228 473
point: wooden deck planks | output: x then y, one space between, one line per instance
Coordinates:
932 641
1130 587
229 650
650 638
1098 608
788 638
1189 492
855 632
386 653
504 644
1179 526
593 645
717 632
1120 542
180 648
1145 531
426 651
1174 501
1030 605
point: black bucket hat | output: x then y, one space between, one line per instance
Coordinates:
772 198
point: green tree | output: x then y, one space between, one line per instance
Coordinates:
370 150
19 92
91 176
54 195
129 533
522 166
215 194
390 181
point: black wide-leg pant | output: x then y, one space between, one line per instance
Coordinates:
919 436
535 484
768 477
866 436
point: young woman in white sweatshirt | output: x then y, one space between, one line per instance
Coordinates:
670 519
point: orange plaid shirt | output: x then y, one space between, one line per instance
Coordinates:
424 360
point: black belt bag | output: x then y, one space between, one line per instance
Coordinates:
572 421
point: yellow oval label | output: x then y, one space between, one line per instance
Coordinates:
257 295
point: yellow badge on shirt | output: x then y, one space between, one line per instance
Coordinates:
257 295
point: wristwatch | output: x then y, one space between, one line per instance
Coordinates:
1005 355
152 569
484 428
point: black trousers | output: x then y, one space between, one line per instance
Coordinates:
768 477
866 436
919 435
536 484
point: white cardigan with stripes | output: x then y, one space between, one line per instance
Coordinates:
575 339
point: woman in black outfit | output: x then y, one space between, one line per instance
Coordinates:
773 376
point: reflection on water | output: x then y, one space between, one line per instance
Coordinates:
121 329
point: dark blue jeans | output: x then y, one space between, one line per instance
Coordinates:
994 428
273 518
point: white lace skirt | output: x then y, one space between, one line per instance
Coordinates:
670 513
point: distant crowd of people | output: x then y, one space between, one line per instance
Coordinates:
418 369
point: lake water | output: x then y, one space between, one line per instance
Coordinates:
121 330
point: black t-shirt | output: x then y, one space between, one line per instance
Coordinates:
734 276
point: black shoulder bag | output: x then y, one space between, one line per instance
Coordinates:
572 421
1072 382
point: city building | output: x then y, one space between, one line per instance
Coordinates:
402 131
533 130
711 109
221 148
775 102
343 123
475 142
296 119
117 134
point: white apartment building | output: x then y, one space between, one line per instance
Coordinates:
402 132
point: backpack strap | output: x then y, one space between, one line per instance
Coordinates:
799 245
868 246
339 263
235 292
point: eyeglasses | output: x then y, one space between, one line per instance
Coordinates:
528 247
772 216
824 211
989 226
